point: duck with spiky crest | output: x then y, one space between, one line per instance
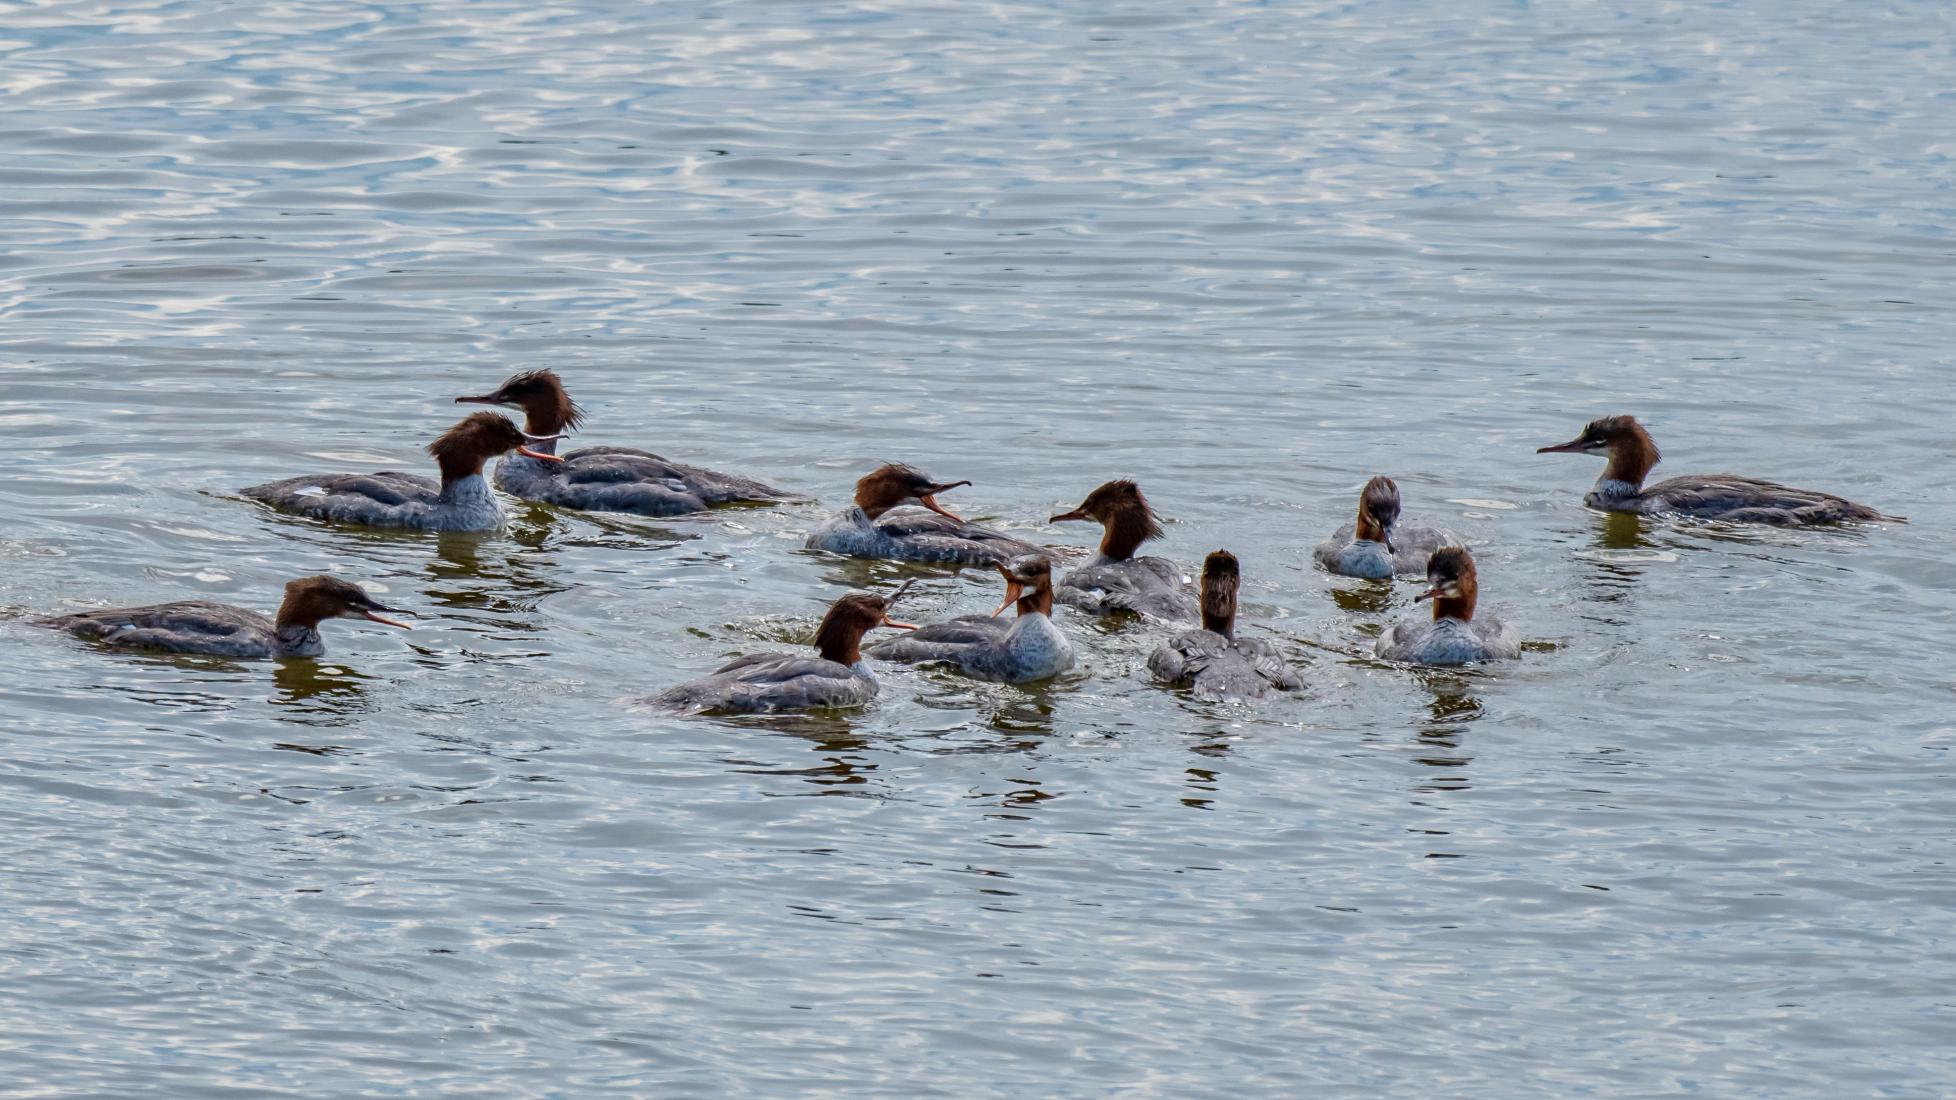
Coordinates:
1631 454
836 677
212 629
1453 636
1115 580
460 501
896 516
604 479
1016 651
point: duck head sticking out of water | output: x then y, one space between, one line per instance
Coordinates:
1123 514
547 409
840 636
312 600
1451 584
1029 584
1378 512
890 485
478 437
1221 576
1631 451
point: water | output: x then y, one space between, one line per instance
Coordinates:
1696 841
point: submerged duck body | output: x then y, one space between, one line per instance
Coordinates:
460 501
1375 546
1212 663
1027 648
1729 497
835 677
1114 579
221 630
883 524
1453 636
604 479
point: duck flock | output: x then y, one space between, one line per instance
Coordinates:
896 515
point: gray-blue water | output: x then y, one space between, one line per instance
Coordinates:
1697 841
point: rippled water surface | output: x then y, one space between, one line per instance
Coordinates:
1697 841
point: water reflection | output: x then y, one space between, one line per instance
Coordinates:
1622 531
1452 707
1365 597
310 687
1623 550
1027 715
476 571
878 575
845 769
1203 778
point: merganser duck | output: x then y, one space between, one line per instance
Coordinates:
1375 546
603 479
883 524
460 502
220 630
1213 662
1705 496
1020 651
1454 636
1116 580
764 682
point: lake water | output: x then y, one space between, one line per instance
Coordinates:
1697 841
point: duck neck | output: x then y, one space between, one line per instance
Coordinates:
841 643
298 611
1039 601
1367 529
876 498
299 640
1219 611
1629 463
1457 607
545 416
461 476
1124 533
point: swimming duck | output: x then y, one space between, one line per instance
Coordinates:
1453 636
1116 580
461 501
220 630
883 524
604 479
1213 662
763 682
1727 497
1022 650
1375 546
